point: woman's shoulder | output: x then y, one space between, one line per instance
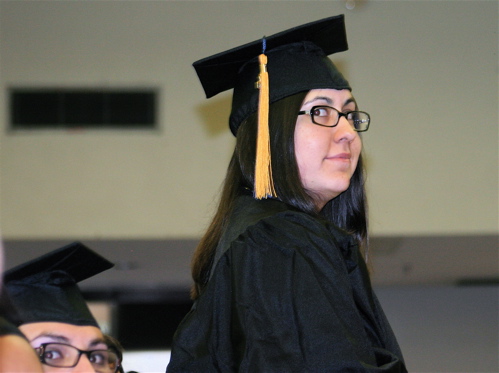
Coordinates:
280 236
272 222
267 214
251 213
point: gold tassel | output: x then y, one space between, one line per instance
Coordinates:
264 185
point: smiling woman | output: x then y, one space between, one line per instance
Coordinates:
327 154
280 283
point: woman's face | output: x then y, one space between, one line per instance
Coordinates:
326 156
82 337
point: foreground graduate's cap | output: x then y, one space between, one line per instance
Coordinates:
281 65
46 289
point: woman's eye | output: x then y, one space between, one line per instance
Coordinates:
52 355
99 357
320 112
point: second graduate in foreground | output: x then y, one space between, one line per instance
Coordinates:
281 283
54 316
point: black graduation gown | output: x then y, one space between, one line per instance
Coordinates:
288 293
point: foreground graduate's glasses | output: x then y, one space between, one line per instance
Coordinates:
62 355
328 116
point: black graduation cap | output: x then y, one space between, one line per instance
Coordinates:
297 61
270 69
45 289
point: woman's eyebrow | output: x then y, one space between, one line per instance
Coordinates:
52 337
349 101
328 100
97 341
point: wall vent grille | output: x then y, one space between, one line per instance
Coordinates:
33 109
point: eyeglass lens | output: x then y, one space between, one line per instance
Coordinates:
66 356
329 117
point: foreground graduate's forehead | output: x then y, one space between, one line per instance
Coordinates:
330 97
47 332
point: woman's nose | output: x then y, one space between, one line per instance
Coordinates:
344 131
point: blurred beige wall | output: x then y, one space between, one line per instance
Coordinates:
427 71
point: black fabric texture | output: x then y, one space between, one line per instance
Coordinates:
288 293
45 289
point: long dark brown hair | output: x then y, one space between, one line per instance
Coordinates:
347 211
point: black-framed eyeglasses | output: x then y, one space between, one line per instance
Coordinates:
61 355
328 116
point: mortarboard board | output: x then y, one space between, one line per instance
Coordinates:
294 61
45 289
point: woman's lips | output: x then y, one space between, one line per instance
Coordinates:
341 156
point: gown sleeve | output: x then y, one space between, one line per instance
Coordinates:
281 300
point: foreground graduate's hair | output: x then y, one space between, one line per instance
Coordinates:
347 211
115 345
